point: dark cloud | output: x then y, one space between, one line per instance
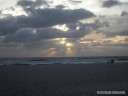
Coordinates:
30 34
76 30
111 3
42 18
8 25
25 3
124 13
73 25
49 17
34 32
116 26
94 25
88 26
113 34
23 35
60 6
32 4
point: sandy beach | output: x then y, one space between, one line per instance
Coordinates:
62 79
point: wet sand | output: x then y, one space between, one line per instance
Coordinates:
62 80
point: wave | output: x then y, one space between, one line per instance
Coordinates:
64 60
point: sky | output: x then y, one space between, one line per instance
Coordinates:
63 28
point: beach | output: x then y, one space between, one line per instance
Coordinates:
62 79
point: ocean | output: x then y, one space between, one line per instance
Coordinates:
65 60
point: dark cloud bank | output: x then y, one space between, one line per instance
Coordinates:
40 20
26 33
111 3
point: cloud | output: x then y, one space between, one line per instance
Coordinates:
39 18
96 24
8 25
31 34
34 31
23 35
118 26
124 13
25 3
111 3
49 17
126 39
75 1
45 17
60 6
76 30
113 34
35 34
31 4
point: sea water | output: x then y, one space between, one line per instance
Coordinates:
64 60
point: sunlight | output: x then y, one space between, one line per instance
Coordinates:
69 44
34 31
52 52
62 41
69 52
14 11
62 27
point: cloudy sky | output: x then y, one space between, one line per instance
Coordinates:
63 28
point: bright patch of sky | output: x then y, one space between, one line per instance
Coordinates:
7 3
92 5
